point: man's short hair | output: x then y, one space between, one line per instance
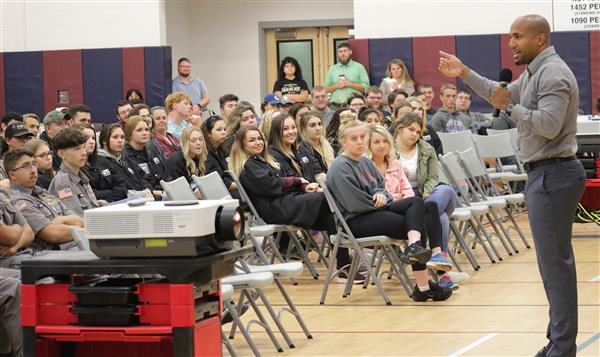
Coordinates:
228 98
424 85
10 116
183 59
447 86
11 158
173 98
465 91
120 104
68 138
344 44
374 89
318 89
73 110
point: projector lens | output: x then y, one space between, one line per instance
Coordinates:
230 223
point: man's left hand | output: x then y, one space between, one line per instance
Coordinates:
500 97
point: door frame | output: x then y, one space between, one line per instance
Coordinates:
264 25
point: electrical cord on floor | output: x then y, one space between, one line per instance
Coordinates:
586 216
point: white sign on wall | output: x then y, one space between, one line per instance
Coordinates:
576 15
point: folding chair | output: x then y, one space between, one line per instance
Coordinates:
454 172
346 239
474 170
261 229
78 235
513 133
497 147
178 190
211 186
457 141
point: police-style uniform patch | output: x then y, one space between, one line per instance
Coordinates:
65 193
304 160
21 205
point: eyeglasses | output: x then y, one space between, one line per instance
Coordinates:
27 166
43 155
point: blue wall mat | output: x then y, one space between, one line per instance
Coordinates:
482 53
382 50
102 82
157 67
24 82
574 49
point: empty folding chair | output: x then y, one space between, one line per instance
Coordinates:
513 133
345 239
457 141
178 190
227 296
498 147
211 186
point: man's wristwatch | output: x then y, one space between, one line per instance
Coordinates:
509 107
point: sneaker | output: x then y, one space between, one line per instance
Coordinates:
343 276
435 292
445 282
457 276
438 262
415 253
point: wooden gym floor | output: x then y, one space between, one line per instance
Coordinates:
500 311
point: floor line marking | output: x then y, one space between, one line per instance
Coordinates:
480 341
588 342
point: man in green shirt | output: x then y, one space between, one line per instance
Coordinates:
345 77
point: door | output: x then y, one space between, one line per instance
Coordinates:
313 47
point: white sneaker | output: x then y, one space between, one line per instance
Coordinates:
458 277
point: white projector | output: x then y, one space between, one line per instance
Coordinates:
163 229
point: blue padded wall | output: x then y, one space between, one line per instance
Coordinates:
157 67
574 49
482 53
102 82
382 50
24 82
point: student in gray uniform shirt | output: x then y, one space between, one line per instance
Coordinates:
10 312
70 184
48 217
543 102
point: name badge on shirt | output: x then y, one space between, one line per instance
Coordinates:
106 172
304 160
156 160
144 166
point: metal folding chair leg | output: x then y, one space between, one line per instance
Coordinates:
460 239
516 227
228 345
239 324
261 321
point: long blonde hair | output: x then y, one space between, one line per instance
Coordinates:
194 165
378 129
265 125
238 155
323 147
233 124
405 75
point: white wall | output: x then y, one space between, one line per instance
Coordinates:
32 25
222 38
410 18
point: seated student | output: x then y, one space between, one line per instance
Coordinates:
394 98
70 184
267 118
146 157
333 127
32 123
179 110
47 215
15 136
106 183
43 158
371 117
429 134
168 142
293 160
227 104
191 160
297 110
448 119
241 116
10 309
215 134
312 132
370 210
111 161
15 233
420 161
356 102
281 199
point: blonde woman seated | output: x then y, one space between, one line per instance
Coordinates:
191 160
396 77
369 209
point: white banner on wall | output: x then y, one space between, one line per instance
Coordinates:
576 15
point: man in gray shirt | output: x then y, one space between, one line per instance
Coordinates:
543 102
448 119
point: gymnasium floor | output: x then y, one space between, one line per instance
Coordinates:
500 311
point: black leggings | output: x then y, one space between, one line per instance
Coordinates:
400 217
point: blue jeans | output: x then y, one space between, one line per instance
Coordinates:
446 199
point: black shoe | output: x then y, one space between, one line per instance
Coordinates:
435 292
415 253
227 318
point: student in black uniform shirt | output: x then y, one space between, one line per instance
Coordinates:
191 160
139 152
215 134
43 157
112 143
241 116
312 132
289 81
293 159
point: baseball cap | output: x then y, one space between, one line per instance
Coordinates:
286 101
54 116
272 98
16 130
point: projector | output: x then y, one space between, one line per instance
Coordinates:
163 229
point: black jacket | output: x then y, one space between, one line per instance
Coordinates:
130 173
176 167
304 158
106 180
216 160
151 161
